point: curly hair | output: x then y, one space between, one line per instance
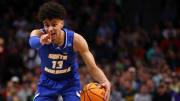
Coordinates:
51 10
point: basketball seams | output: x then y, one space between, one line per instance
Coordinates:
92 92
84 94
90 86
97 95
87 93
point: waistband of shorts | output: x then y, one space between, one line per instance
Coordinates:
59 78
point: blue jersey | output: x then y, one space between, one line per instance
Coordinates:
59 62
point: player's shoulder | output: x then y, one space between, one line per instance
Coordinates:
79 42
36 32
78 38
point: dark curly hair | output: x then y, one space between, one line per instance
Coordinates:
50 10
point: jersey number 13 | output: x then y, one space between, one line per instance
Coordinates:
57 64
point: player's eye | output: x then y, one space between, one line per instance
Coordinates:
46 25
54 25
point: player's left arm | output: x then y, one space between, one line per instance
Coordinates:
81 46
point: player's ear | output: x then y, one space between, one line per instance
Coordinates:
62 23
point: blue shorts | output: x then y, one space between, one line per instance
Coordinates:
50 90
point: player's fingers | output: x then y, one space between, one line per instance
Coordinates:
107 94
102 85
47 36
45 39
50 37
42 39
107 87
48 41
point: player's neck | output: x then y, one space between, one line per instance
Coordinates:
60 38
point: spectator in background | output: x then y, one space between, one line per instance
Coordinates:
12 89
161 94
16 82
34 87
154 53
30 58
129 92
23 33
20 22
122 40
151 86
115 94
170 31
104 31
132 72
167 82
156 34
102 56
170 43
143 95
137 50
157 75
14 61
176 95
126 85
172 59
174 84
26 91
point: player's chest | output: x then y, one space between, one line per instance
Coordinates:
57 54
57 59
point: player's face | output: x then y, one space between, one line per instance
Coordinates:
53 27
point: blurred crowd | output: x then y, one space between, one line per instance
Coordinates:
140 55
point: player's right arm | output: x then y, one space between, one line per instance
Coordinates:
36 32
81 46
38 38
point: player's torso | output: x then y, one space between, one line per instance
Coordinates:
59 62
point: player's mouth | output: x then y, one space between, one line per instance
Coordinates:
53 35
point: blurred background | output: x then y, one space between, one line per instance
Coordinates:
135 42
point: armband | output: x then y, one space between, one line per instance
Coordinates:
34 42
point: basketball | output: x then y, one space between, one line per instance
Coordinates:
92 92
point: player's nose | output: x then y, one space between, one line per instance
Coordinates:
50 29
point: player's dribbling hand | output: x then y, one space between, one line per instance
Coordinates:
107 86
45 39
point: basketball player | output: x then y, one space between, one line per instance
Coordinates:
58 47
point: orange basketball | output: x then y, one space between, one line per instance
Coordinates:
92 92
